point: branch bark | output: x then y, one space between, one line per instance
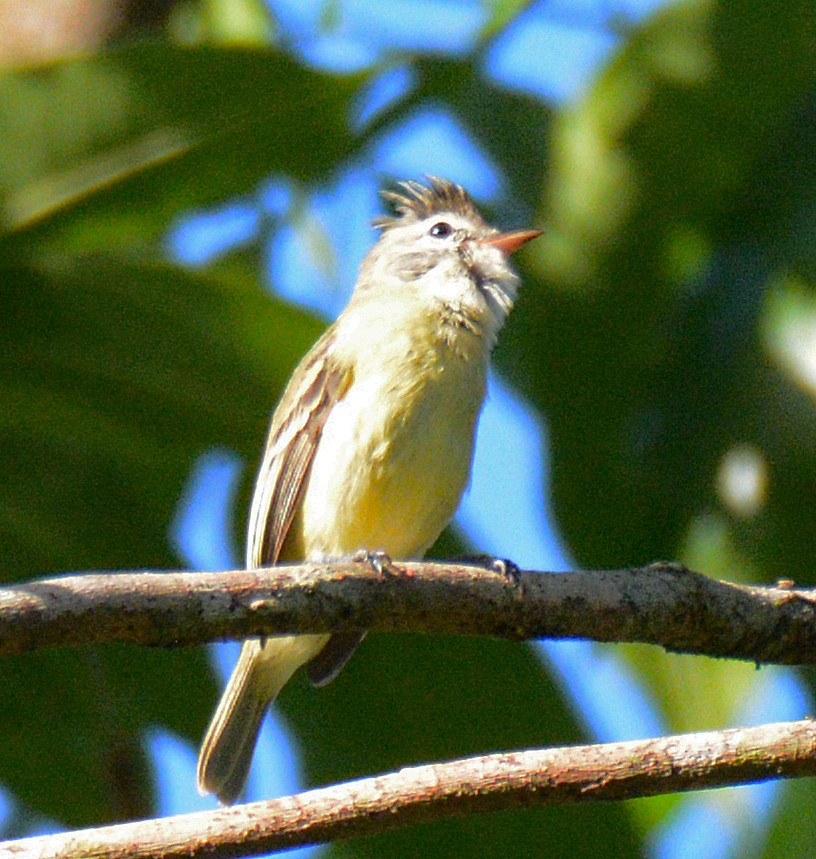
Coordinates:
662 604
420 794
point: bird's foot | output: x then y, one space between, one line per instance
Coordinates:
503 566
378 560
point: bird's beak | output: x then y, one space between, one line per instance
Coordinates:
509 243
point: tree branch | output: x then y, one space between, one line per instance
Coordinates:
420 794
662 604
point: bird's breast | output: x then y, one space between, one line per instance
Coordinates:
395 453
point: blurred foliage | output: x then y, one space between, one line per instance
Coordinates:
666 330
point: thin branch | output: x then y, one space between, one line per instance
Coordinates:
662 604
420 794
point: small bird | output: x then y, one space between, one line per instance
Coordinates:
371 445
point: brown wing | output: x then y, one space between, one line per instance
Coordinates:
294 433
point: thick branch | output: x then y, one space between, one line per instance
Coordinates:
662 604
436 791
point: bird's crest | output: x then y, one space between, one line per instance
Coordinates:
416 201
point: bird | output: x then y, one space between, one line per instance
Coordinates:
371 445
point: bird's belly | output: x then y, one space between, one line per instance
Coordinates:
392 463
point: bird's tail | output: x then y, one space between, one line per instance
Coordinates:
261 672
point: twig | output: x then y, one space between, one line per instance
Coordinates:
612 771
662 604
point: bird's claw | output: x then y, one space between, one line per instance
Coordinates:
507 569
503 566
378 560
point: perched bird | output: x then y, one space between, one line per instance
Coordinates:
370 447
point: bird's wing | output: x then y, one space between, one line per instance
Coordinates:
297 423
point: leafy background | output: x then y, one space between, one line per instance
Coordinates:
666 334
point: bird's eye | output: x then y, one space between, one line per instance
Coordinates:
441 230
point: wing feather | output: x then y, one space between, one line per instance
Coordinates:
294 433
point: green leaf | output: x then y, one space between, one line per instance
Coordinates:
792 834
512 129
679 201
641 343
115 377
120 143
501 13
412 699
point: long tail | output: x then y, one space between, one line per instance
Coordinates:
261 672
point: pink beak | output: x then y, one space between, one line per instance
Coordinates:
509 243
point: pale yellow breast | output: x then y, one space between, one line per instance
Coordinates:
396 452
